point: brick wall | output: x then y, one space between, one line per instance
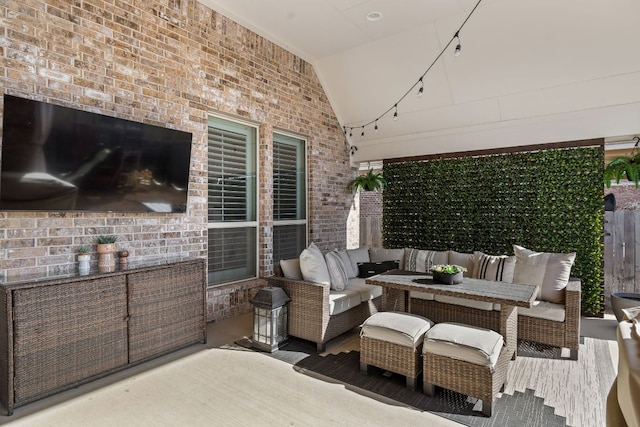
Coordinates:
167 63
627 196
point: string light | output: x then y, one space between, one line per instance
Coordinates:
420 81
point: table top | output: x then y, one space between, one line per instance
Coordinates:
520 295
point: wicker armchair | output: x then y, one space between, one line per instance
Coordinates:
309 309
559 334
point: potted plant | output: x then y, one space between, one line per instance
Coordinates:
106 249
83 259
368 182
448 274
623 167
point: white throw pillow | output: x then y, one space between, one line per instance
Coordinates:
351 273
337 271
422 260
463 260
549 271
313 265
358 255
291 268
491 267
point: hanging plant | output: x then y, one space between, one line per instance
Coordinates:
368 182
623 167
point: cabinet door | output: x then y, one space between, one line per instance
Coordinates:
67 333
166 309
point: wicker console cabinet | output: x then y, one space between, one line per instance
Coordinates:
57 333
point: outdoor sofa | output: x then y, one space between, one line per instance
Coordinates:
320 311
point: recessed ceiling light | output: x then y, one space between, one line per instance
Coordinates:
374 16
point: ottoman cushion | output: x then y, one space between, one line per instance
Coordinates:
462 342
399 328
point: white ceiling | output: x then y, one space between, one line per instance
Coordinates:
530 72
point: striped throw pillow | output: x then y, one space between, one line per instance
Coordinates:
491 267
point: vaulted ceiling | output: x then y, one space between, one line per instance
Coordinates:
530 72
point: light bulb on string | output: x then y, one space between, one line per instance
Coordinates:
420 92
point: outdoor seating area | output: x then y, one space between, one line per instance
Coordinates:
322 212
487 308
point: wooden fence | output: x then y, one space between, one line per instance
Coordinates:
621 252
621 249
371 231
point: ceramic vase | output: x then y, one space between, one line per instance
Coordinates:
83 263
106 258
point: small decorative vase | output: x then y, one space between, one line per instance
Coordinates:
123 259
83 263
105 255
447 278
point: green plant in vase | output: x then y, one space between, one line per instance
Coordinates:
448 274
106 249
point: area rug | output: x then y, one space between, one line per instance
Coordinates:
514 407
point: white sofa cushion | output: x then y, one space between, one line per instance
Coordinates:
544 310
337 271
351 272
313 265
421 260
382 254
291 268
482 305
358 255
463 260
399 328
367 292
462 342
549 271
491 267
341 301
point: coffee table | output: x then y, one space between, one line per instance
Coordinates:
508 295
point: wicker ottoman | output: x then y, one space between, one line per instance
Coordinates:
465 359
393 341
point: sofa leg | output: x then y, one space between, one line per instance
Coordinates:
411 383
428 389
320 347
486 408
364 368
573 354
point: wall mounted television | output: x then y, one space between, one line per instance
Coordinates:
56 158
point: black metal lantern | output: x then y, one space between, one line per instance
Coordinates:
270 318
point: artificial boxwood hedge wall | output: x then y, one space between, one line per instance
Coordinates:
550 200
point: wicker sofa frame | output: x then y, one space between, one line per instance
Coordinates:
558 334
309 317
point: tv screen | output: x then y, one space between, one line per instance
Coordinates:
61 159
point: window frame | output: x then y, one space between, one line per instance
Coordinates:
255 224
305 143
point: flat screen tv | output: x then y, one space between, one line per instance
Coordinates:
56 158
